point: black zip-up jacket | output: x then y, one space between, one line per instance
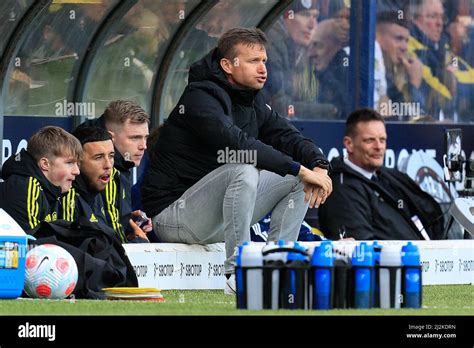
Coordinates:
26 194
213 115
372 210
117 195
80 201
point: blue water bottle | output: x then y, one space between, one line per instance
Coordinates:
322 264
363 265
239 279
411 276
375 279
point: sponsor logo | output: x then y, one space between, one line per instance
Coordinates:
215 270
444 266
163 270
141 270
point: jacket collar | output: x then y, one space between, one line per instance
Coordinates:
208 68
339 166
81 186
23 164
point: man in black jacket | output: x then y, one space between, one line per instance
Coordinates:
127 123
84 199
224 158
35 178
370 201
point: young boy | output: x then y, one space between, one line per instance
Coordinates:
35 178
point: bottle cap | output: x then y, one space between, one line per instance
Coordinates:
391 256
239 253
410 255
251 255
297 256
322 255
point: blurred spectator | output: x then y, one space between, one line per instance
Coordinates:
403 71
380 81
429 42
292 86
338 12
460 39
331 64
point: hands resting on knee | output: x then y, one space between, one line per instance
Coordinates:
317 185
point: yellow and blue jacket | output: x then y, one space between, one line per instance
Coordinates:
26 194
79 201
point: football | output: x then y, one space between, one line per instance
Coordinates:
50 272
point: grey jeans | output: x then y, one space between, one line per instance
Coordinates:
226 202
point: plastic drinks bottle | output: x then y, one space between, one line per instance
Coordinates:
252 264
296 281
390 277
363 264
322 264
376 283
411 276
273 262
239 279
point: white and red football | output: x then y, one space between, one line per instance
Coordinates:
50 272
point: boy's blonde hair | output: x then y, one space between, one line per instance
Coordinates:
52 142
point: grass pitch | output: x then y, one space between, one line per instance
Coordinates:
437 300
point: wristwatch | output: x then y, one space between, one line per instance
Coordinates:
323 164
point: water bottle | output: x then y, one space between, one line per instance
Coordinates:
273 261
363 265
239 279
322 264
250 276
376 283
295 282
411 276
390 277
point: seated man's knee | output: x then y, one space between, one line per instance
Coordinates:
298 185
247 173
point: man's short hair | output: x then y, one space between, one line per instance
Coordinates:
358 116
52 142
119 111
91 134
392 17
231 38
